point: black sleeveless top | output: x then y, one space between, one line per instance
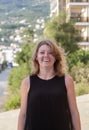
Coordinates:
47 105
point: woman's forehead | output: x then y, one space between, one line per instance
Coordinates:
44 47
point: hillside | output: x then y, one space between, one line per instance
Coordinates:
14 11
30 9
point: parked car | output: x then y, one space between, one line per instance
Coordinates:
9 65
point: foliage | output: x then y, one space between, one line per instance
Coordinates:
82 88
67 36
23 58
16 76
29 35
63 32
81 78
78 58
24 9
84 56
3 66
14 11
13 102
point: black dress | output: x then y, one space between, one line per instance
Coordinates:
47 105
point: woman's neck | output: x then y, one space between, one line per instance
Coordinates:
47 74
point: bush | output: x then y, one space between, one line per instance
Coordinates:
16 76
3 66
13 102
81 88
81 78
78 58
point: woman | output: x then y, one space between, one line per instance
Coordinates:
48 100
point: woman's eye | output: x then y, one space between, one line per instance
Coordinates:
41 52
50 53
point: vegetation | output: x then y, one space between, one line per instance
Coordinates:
23 58
63 32
23 9
78 64
3 66
14 11
67 36
17 74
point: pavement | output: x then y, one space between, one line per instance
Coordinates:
9 119
83 106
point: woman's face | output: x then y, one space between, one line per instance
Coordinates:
45 57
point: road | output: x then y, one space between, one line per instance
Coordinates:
3 81
3 86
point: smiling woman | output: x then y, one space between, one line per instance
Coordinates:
45 60
51 55
48 99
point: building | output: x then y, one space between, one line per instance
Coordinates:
77 10
56 6
8 54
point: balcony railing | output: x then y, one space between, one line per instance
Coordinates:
80 19
79 0
85 39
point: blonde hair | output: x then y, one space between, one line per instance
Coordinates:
58 53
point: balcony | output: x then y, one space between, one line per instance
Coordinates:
77 3
79 0
85 39
80 19
83 45
82 24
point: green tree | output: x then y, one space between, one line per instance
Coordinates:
28 35
23 58
63 32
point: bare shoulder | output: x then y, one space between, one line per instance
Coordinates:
69 82
68 78
25 85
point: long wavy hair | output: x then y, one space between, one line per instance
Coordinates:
58 53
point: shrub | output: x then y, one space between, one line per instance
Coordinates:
81 78
13 102
81 88
15 78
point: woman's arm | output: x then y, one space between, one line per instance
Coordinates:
72 102
25 86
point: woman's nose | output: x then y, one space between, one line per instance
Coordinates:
46 54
